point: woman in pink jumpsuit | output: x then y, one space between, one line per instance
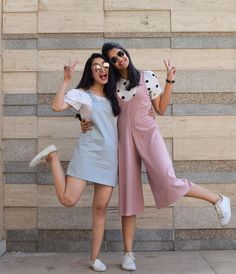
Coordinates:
140 140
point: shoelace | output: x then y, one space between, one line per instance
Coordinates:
218 211
131 255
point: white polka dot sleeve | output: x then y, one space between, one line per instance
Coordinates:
152 84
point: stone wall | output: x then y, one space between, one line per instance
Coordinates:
39 37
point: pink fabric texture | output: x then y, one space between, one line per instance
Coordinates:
140 140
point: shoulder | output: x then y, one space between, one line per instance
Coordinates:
148 74
77 94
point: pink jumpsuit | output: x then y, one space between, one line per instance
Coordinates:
140 140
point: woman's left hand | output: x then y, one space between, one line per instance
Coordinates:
171 69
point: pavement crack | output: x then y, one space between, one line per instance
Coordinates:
205 259
52 266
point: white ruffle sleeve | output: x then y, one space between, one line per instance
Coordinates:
80 100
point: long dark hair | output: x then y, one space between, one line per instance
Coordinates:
133 73
87 81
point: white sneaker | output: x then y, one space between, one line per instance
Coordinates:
128 261
42 155
223 210
98 266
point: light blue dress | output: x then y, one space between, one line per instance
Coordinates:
95 157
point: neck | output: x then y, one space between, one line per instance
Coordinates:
97 89
124 74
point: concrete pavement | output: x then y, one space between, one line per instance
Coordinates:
163 262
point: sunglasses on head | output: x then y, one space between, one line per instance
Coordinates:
98 67
114 59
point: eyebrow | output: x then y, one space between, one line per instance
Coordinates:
99 64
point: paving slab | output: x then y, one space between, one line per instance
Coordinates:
163 262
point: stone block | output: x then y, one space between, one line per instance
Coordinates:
19 82
205 245
20 23
20 99
46 111
137 21
20 44
147 42
49 82
208 177
71 17
69 43
204 148
134 5
20 6
22 247
19 127
205 59
198 218
201 20
58 127
19 60
205 80
22 235
20 218
204 110
13 195
212 42
19 149
19 111
20 178
204 234
64 218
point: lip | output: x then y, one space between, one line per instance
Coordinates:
103 76
122 62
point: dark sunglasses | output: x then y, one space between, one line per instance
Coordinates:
114 59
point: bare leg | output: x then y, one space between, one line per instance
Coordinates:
128 230
102 195
68 189
200 192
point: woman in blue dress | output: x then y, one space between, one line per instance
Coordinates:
95 155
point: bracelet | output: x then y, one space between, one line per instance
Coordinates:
170 82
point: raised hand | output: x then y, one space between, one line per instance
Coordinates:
69 70
171 69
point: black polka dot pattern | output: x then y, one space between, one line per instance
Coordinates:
123 97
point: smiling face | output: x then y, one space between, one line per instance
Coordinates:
100 70
119 59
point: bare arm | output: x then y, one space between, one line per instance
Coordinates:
161 103
58 103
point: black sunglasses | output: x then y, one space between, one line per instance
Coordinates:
114 59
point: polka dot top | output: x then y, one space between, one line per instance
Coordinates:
152 84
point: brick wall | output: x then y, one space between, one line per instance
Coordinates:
39 37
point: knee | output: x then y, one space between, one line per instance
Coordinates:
100 208
67 202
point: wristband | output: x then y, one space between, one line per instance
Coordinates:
170 82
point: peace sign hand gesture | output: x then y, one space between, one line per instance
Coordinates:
69 70
171 69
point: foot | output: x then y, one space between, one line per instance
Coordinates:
128 262
223 210
42 156
98 265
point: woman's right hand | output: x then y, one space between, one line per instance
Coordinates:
86 125
69 70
